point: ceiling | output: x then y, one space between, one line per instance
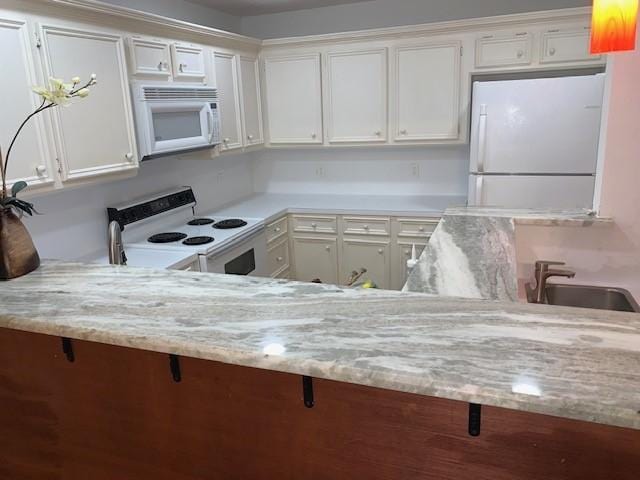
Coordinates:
243 8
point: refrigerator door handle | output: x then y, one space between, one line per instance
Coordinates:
479 185
482 138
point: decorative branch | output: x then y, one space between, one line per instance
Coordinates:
58 93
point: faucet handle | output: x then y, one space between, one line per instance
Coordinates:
543 264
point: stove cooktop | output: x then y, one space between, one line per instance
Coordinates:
230 223
201 240
168 237
200 221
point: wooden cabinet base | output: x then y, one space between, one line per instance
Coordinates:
118 413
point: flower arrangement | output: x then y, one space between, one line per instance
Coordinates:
57 93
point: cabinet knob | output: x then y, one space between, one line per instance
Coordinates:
313 135
380 251
314 225
129 156
226 140
378 133
279 259
41 169
327 248
161 66
403 132
421 229
407 252
277 229
520 53
249 137
552 51
182 67
366 227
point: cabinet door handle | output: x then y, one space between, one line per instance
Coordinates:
161 66
421 229
314 225
129 156
380 251
279 259
552 51
403 132
41 169
378 133
226 140
520 53
327 248
313 135
249 137
277 229
366 227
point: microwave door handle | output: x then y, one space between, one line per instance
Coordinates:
210 122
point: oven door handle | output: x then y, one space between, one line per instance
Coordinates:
210 121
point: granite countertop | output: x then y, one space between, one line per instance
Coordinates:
472 252
270 206
573 363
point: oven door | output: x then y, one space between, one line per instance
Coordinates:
247 257
174 126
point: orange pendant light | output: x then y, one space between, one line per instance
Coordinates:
613 25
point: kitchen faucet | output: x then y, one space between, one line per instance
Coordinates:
542 273
116 248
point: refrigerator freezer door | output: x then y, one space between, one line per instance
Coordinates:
522 191
545 125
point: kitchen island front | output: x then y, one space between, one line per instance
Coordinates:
121 372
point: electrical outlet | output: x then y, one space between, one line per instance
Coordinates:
415 170
321 172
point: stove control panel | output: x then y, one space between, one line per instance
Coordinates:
128 214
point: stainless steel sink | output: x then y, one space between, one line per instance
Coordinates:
584 296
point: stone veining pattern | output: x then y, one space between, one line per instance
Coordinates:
574 363
472 252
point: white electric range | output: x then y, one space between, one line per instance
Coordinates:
167 226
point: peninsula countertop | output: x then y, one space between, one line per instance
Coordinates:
572 363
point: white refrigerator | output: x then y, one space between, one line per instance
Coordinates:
534 142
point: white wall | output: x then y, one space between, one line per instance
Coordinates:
388 13
365 171
604 255
74 222
184 10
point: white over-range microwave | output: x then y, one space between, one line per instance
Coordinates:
173 117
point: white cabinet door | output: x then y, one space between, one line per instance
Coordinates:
188 62
567 45
357 96
503 50
294 102
316 258
427 91
30 158
95 135
251 103
369 254
226 68
150 57
401 253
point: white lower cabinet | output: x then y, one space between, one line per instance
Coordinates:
381 245
95 136
316 258
371 255
401 252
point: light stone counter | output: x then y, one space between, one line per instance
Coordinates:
573 363
472 252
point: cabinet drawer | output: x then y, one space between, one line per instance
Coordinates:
566 46
278 257
314 224
365 226
276 229
419 228
503 50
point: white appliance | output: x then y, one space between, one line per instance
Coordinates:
167 227
534 143
173 117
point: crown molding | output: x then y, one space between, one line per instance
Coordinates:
154 19
454 26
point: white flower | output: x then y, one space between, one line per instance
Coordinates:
75 80
59 92
83 92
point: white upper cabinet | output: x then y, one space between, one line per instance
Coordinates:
188 62
251 103
503 50
566 45
427 92
96 135
357 96
30 158
226 68
294 99
150 57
